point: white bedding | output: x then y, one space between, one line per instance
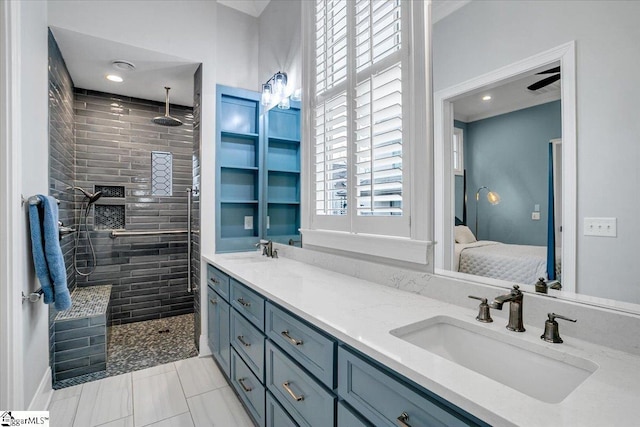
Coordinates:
515 263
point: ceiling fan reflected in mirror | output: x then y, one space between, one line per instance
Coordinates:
547 80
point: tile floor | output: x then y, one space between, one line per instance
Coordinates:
186 393
141 345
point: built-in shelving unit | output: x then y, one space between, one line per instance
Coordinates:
258 171
283 174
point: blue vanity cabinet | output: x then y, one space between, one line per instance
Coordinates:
288 372
309 402
348 418
218 281
248 341
276 415
248 303
257 171
386 400
311 349
249 388
218 329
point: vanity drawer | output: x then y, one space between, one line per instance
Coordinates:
249 343
276 415
383 399
250 390
218 281
248 303
348 418
308 402
313 350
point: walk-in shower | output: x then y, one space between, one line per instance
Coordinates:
132 215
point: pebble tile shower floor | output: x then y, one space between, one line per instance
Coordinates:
141 345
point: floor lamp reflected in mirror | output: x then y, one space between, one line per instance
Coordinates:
492 197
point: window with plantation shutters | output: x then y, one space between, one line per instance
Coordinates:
359 116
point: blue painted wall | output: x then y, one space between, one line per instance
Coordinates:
458 179
509 154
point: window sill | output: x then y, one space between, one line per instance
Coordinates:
396 248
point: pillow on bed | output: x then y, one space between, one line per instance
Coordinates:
464 235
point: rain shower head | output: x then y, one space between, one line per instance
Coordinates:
167 120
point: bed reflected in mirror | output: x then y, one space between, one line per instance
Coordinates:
506 160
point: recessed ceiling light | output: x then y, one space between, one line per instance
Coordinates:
122 65
486 98
114 78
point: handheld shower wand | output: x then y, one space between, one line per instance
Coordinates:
90 199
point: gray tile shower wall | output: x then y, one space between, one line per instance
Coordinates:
61 158
114 141
195 217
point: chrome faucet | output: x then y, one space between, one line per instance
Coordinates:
514 298
267 248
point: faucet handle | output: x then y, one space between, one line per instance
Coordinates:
551 330
484 314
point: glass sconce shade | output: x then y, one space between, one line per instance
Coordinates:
266 94
280 83
284 103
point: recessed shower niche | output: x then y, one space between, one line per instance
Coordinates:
109 217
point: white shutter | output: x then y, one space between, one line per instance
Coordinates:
357 107
331 156
331 44
379 143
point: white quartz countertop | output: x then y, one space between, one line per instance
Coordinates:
361 314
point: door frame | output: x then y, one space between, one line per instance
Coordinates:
443 128
11 334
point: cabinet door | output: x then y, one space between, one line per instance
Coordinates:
218 333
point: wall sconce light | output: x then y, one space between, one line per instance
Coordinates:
492 197
275 89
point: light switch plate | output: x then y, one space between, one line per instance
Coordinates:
603 227
535 216
268 222
248 223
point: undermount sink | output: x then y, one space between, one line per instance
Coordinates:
536 370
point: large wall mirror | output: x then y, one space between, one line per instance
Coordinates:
535 107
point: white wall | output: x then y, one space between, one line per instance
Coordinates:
237 49
280 41
35 180
24 327
485 35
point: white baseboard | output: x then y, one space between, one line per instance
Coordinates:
204 346
44 393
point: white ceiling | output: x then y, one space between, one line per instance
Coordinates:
507 96
250 7
89 60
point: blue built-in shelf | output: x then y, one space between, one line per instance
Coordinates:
258 171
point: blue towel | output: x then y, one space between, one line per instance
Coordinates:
47 254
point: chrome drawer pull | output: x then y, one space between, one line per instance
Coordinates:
402 420
243 342
290 338
214 280
243 302
241 382
213 301
291 393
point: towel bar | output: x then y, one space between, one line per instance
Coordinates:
33 296
35 200
123 233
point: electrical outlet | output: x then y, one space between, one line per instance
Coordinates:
535 216
248 223
602 227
